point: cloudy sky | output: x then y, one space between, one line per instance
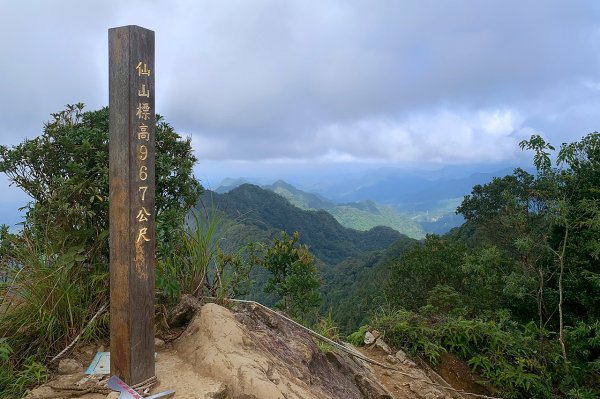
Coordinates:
266 84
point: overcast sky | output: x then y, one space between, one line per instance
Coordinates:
260 84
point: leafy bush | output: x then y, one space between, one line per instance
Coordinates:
357 338
65 172
506 354
54 274
293 277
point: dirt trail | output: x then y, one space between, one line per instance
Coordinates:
250 353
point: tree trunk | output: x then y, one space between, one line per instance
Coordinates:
561 260
540 303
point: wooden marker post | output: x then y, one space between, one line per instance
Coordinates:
132 183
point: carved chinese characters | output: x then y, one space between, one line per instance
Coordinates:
141 138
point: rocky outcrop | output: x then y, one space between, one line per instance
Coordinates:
249 352
258 356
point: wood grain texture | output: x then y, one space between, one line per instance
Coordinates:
131 262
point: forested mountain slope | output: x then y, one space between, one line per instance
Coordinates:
359 215
328 240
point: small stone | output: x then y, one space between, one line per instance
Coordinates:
218 392
383 346
69 366
391 359
113 395
88 350
184 311
369 338
159 343
401 356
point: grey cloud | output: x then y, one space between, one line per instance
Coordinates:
267 80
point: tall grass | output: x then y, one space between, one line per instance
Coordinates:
48 296
199 267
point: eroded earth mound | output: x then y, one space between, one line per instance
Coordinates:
248 353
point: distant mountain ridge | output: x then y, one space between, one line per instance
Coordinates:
266 211
410 192
362 215
412 202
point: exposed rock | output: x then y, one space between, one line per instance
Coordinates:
69 366
371 388
380 344
47 392
159 343
401 356
220 392
256 361
88 350
251 353
391 359
369 338
184 311
43 392
427 391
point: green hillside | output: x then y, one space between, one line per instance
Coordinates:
328 240
362 215
253 214
353 288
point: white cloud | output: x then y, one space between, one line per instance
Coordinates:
440 136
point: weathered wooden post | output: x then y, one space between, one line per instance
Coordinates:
132 183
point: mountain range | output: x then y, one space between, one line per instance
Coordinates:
414 202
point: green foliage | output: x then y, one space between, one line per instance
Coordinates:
353 264
421 268
48 296
583 340
65 172
410 331
443 299
15 382
327 327
328 240
199 267
293 277
54 274
357 338
504 353
524 270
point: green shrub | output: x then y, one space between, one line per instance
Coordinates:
357 338
327 328
49 295
506 354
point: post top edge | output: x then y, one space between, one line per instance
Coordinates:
130 27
